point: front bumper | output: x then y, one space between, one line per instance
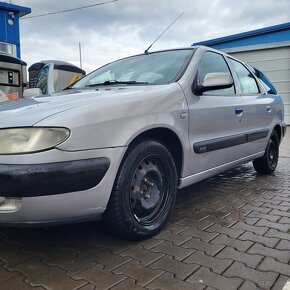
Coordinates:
51 178
58 186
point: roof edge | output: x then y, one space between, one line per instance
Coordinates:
244 34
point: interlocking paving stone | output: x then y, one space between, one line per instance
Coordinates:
221 221
173 238
142 275
234 233
241 246
179 269
99 277
87 287
279 207
149 243
18 283
168 282
284 220
128 284
57 281
285 203
277 234
279 226
200 225
280 282
145 257
194 232
6 275
108 259
282 256
216 265
175 228
70 262
269 217
263 279
249 286
178 253
270 264
230 253
268 242
34 268
265 200
254 229
283 245
279 213
208 248
257 209
11 255
213 280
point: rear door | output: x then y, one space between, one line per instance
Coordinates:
217 127
259 108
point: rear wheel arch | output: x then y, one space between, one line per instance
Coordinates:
278 131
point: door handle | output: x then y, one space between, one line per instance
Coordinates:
239 111
269 109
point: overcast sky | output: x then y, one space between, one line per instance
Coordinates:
127 27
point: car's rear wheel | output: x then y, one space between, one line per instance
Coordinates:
144 192
268 162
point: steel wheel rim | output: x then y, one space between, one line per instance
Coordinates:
149 190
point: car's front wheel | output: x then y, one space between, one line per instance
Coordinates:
144 192
268 162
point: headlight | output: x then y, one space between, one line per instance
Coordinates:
27 140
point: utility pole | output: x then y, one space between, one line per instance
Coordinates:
80 51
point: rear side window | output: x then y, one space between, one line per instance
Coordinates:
246 79
266 83
213 63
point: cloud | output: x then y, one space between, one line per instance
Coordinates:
127 27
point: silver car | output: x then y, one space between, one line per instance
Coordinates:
123 139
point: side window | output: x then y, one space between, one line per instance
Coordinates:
246 79
267 84
212 63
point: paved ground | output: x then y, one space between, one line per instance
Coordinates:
229 232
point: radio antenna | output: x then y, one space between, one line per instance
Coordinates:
181 14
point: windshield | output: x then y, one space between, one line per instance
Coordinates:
153 68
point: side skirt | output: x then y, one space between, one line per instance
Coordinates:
189 180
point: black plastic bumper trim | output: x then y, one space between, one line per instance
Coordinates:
51 178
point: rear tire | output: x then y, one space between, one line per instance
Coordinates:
268 162
144 192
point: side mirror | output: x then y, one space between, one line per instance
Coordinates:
213 81
33 92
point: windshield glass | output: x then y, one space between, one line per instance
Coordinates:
153 68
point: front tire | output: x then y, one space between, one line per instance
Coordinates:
144 192
268 162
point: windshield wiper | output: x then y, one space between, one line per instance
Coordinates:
114 82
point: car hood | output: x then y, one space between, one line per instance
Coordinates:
27 112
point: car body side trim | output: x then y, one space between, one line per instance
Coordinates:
257 135
229 141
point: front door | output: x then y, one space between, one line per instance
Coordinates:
217 129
